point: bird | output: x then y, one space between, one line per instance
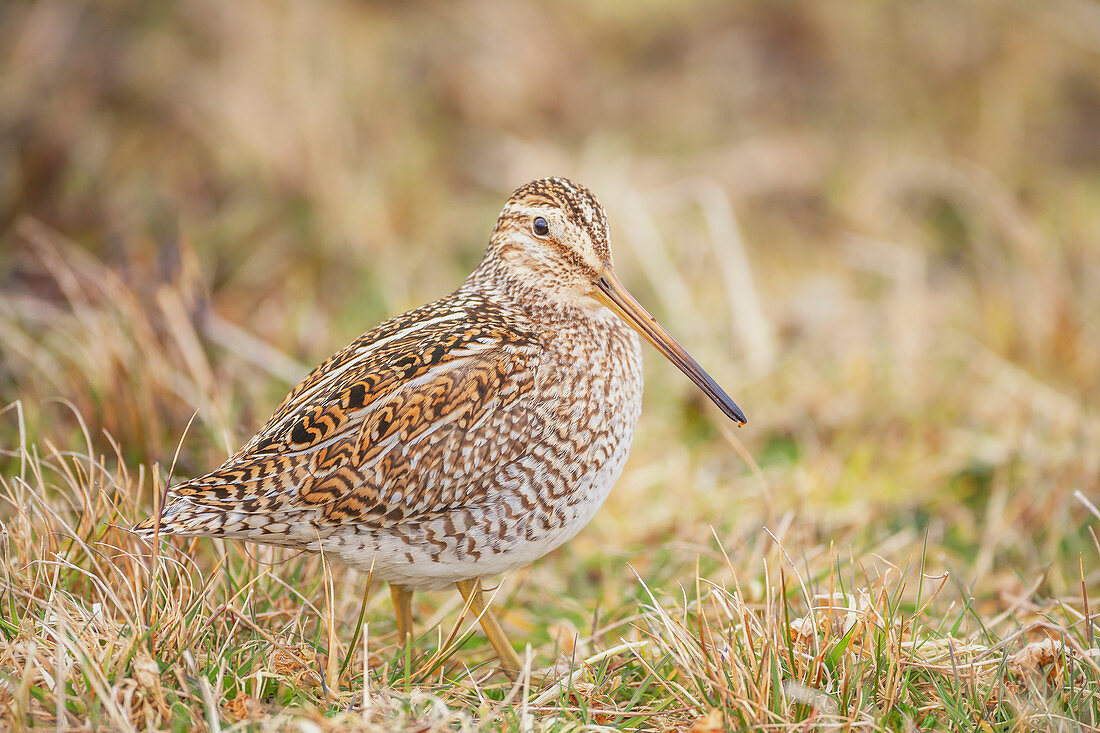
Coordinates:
464 438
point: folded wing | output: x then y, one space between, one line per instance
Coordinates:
402 424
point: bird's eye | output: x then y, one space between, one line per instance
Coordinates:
540 226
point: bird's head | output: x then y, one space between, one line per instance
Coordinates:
552 237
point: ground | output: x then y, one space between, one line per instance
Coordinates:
874 223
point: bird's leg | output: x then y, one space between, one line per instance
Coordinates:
402 604
471 593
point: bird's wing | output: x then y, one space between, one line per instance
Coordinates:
400 425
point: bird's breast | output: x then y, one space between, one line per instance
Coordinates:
588 393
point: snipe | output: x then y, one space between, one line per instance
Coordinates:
466 437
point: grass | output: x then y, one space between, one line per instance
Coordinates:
874 223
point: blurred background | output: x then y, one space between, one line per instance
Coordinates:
875 223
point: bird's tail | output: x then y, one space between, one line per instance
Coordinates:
184 518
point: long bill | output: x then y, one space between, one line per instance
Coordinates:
614 295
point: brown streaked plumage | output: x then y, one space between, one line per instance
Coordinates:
464 438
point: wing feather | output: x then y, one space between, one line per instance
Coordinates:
400 425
